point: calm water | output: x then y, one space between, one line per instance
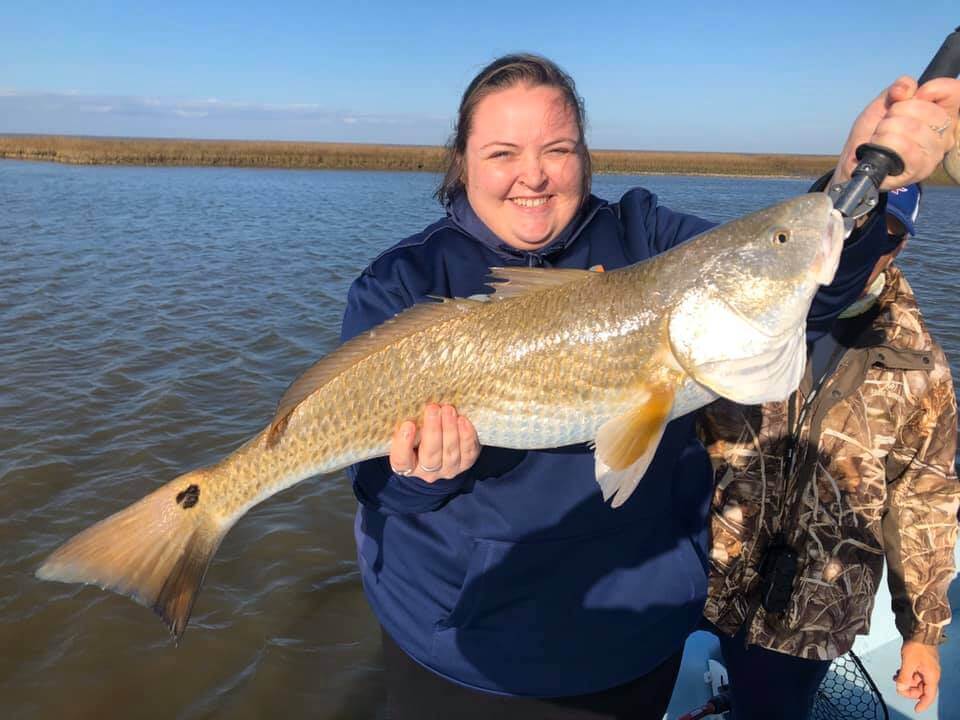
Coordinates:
149 320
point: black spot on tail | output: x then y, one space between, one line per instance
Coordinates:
189 497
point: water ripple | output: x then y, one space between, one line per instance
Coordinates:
150 320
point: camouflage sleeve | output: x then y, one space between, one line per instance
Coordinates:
920 527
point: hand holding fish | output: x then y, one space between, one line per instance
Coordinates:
917 123
448 445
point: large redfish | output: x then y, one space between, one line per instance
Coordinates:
551 358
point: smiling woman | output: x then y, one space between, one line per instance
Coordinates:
504 584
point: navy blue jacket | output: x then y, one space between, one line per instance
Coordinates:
515 577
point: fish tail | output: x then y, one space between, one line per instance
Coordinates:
156 551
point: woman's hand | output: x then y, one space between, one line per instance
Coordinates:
918 124
447 445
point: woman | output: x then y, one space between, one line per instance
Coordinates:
502 581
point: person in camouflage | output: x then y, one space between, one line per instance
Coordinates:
813 493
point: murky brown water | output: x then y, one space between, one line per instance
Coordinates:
149 321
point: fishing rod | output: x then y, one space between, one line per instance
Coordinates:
861 193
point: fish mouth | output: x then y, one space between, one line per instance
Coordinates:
828 253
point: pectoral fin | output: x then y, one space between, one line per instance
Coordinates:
626 444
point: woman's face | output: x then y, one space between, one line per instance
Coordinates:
523 172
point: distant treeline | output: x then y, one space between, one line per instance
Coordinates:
342 156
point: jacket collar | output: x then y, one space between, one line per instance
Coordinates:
885 323
462 215
884 334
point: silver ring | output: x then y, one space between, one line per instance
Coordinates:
431 469
404 473
942 129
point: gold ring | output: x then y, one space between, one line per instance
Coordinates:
431 469
942 129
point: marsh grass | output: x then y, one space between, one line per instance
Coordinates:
224 153
342 156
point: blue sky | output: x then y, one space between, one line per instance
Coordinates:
738 76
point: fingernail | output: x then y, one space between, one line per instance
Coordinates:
433 411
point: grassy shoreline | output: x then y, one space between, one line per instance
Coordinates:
348 156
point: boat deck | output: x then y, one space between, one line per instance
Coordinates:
879 651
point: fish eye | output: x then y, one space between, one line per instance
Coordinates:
781 237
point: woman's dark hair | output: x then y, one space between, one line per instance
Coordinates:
503 73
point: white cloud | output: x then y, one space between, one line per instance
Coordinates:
75 113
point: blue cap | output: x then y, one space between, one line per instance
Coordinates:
904 205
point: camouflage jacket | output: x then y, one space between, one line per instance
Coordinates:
872 477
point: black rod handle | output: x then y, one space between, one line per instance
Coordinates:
946 63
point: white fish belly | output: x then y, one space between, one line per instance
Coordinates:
532 425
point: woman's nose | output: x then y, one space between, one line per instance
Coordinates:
532 173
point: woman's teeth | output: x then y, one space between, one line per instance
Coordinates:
530 202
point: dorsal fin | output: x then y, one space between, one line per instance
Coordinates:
403 324
508 282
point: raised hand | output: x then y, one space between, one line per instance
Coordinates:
917 123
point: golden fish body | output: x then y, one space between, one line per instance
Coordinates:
551 358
